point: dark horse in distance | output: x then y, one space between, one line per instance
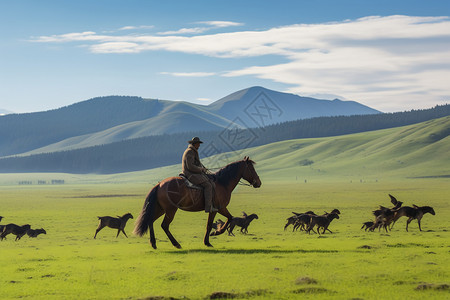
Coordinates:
172 194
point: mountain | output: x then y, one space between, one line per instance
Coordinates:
110 119
162 150
258 107
95 122
418 150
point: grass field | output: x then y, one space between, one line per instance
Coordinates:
267 263
353 173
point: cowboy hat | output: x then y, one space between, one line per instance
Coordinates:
195 140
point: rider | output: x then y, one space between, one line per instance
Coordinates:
195 172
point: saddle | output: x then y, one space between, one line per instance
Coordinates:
190 184
194 186
197 187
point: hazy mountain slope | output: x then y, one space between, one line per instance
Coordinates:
94 121
23 132
416 150
258 106
165 123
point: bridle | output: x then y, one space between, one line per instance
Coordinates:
252 184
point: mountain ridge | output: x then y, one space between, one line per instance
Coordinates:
92 122
162 150
419 150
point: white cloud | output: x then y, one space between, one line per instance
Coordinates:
189 74
198 30
195 30
221 24
136 27
375 60
68 37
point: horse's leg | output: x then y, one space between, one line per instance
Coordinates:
211 217
168 218
230 229
121 230
100 227
224 212
419 218
157 213
407 223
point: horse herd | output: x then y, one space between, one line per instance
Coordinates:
385 218
308 220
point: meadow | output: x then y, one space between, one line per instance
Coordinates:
267 263
353 173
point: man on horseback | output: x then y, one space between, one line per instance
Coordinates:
195 172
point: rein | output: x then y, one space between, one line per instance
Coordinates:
246 184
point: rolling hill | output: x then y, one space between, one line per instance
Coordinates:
419 150
111 119
414 151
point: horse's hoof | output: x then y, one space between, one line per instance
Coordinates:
178 246
209 245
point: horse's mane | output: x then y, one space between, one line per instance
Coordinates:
225 174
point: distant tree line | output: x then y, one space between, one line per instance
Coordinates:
156 151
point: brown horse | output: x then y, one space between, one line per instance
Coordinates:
172 194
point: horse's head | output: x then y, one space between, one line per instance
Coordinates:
336 211
127 216
429 209
250 173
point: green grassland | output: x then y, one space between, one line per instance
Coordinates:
353 173
266 263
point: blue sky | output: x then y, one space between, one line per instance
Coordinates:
390 55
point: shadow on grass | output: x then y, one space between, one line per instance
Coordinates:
249 251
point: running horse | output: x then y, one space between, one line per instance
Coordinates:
172 194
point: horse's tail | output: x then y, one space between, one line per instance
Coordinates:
146 215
